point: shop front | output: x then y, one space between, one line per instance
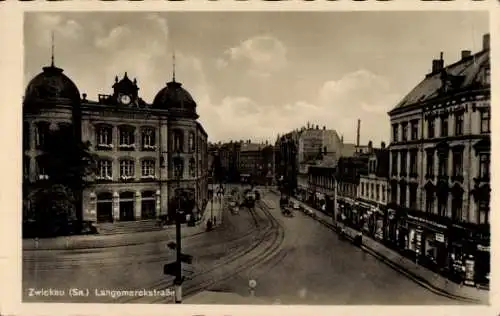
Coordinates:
391 227
428 241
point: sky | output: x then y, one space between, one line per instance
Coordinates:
255 75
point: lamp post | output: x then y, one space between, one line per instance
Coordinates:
178 277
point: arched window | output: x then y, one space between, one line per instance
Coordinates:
178 140
192 167
191 142
104 137
127 169
148 204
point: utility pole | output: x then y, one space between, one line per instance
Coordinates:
178 277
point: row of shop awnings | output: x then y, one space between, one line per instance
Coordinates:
369 208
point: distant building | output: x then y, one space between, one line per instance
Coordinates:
440 166
321 189
256 162
373 192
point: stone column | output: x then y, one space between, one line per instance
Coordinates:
163 143
116 206
158 203
138 205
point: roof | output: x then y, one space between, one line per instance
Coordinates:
463 75
175 98
51 85
251 147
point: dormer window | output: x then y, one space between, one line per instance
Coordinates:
127 138
104 137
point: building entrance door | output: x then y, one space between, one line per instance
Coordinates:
104 207
127 206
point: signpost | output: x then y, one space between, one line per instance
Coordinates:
252 284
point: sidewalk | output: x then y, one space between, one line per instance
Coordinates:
417 273
121 240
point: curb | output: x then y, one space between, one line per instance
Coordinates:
118 244
411 275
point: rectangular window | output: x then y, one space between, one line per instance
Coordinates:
363 189
413 163
431 122
402 196
485 121
394 192
429 201
127 169
377 192
105 169
430 163
127 138
459 124
148 168
484 167
414 130
413 196
404 135
395 132
372 191
394 163
443 164
442 205
458 163
484 212
384 198
148 139
444 126
456 208
404 165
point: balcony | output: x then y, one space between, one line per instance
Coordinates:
127 147
104 147
149 148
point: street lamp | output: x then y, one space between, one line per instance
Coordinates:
178 165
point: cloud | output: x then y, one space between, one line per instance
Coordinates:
338 105
262 55
63 28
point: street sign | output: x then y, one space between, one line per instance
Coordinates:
170 268
186 258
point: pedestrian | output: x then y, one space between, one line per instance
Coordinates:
215 221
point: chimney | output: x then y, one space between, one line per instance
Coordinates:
382 145
466 54
486 41
438 64
84 95
370 145
317 126
324 127
358 132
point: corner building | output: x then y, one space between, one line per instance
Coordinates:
440 168
136 143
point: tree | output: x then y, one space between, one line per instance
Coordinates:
68 162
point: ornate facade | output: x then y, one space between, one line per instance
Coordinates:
148 154
440 165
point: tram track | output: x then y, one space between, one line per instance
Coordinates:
271 235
